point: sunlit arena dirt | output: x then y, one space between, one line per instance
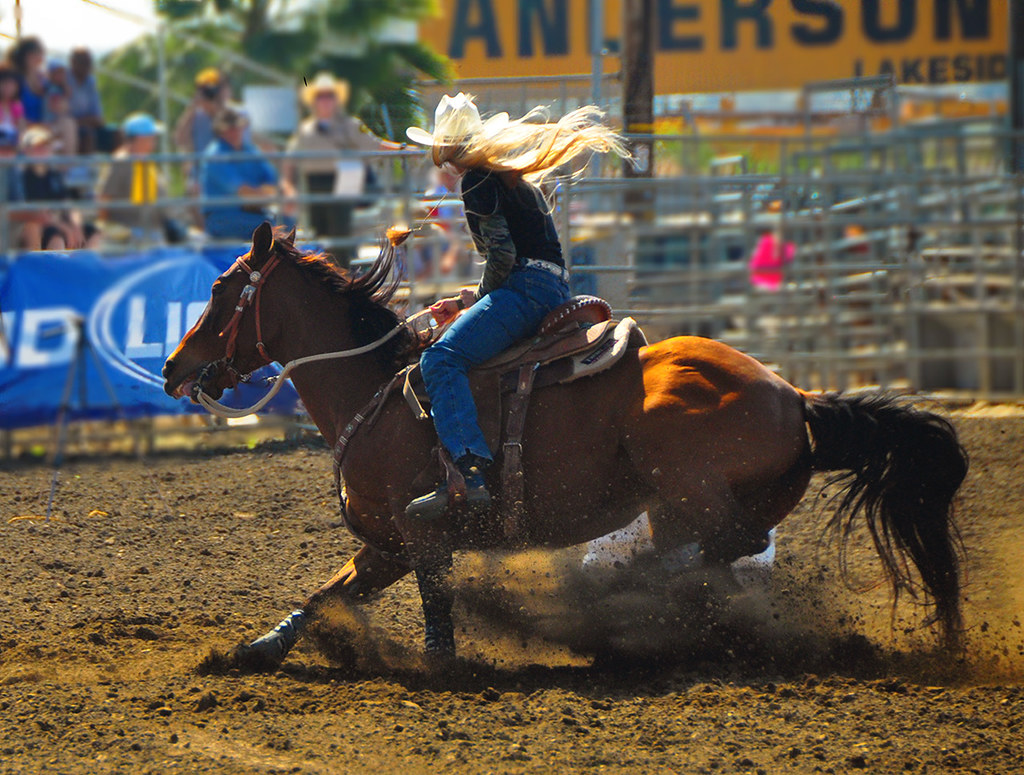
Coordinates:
108 611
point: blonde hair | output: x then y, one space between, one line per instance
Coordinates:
533 149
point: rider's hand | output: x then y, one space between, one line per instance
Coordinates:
444 310
468 296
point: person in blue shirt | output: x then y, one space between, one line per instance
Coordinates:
194 130
84 100
233 167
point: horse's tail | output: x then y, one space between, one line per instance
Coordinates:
903 466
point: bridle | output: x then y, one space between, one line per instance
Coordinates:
250 295
253 289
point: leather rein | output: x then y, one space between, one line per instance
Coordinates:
250 296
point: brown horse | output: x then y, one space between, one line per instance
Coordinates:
714 446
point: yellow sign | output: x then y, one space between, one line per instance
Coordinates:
735 45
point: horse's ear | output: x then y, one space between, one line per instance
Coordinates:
262 239
290 236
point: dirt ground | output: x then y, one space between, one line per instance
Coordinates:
106 614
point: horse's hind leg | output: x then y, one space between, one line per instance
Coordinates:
708 514
727 525
367 572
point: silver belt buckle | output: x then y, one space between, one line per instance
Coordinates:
547 266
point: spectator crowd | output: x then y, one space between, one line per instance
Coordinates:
51 117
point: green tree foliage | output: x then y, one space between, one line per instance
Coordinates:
343 37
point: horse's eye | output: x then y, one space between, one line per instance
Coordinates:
217 289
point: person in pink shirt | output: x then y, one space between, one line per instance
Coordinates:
26 58
12 112
768 260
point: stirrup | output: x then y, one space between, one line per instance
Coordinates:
478 499
433 505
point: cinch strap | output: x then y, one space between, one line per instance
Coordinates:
512 484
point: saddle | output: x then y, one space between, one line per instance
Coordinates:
576 340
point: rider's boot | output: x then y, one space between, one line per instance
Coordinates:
472 468
433 505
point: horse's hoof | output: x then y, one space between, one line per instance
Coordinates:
246 658
257 657
440 646
266 653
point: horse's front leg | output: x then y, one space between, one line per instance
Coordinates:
366 573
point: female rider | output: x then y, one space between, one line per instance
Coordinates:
524 275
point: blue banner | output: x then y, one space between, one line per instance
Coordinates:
133 311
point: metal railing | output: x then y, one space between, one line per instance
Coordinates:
907 265
908 247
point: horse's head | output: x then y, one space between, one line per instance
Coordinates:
226 343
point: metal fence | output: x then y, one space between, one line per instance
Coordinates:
906 270
907 246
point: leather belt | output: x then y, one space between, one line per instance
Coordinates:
537 263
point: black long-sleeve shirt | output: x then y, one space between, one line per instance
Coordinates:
507 224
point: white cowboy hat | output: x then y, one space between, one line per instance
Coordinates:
326 83
35 136
456 119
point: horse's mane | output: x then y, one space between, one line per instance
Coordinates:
367 293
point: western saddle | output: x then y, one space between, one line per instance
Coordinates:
575 340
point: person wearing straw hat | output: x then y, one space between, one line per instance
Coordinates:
329 131
500 162
43 182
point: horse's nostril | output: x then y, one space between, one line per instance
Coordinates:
167 367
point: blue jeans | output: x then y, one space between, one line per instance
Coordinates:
503 317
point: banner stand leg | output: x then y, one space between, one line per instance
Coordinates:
76 375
